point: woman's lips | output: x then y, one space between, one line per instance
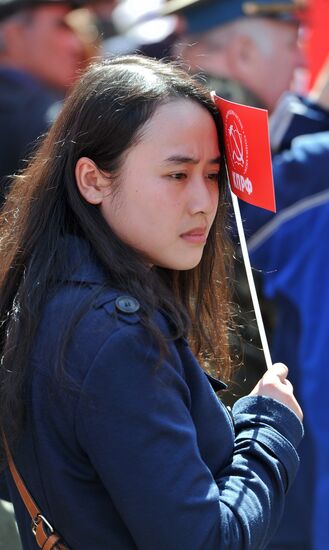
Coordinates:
195 236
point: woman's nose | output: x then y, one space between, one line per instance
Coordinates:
203 195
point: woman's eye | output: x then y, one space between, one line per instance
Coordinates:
214 176
178 176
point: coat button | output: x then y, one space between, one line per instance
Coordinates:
127 304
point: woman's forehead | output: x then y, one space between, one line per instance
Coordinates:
177 133
182 122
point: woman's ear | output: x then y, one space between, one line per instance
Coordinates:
90 181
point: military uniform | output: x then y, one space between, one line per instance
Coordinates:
289 249
292 252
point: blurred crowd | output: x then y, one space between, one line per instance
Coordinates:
252 53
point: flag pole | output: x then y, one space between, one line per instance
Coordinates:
251 281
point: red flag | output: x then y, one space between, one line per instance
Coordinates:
248 152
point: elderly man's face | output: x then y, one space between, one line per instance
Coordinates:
48 48
261 54
271 68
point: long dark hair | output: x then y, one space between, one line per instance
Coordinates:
101 120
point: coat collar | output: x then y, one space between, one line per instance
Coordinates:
81 263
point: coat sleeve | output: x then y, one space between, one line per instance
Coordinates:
134 422
296 116
299 173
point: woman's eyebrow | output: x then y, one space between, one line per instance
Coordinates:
181 159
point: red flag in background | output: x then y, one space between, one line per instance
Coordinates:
317 37
248 152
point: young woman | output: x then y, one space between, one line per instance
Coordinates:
114 262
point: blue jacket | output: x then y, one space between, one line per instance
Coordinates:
292 252
133 453
300 139
298 173
296 116
289 250
27 108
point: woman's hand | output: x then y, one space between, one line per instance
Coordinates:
274 384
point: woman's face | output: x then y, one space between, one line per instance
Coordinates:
167 192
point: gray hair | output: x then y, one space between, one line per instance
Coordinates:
221 37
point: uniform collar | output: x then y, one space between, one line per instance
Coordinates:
231 90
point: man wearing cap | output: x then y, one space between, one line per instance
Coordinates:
247 50
39 58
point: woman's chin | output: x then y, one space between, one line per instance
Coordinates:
181 264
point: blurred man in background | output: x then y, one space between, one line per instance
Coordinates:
256 67
290 250
40 55
248 50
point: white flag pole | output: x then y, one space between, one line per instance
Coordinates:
251 281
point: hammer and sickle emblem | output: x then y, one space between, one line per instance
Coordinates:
236 144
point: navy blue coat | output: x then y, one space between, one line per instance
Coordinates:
133 453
